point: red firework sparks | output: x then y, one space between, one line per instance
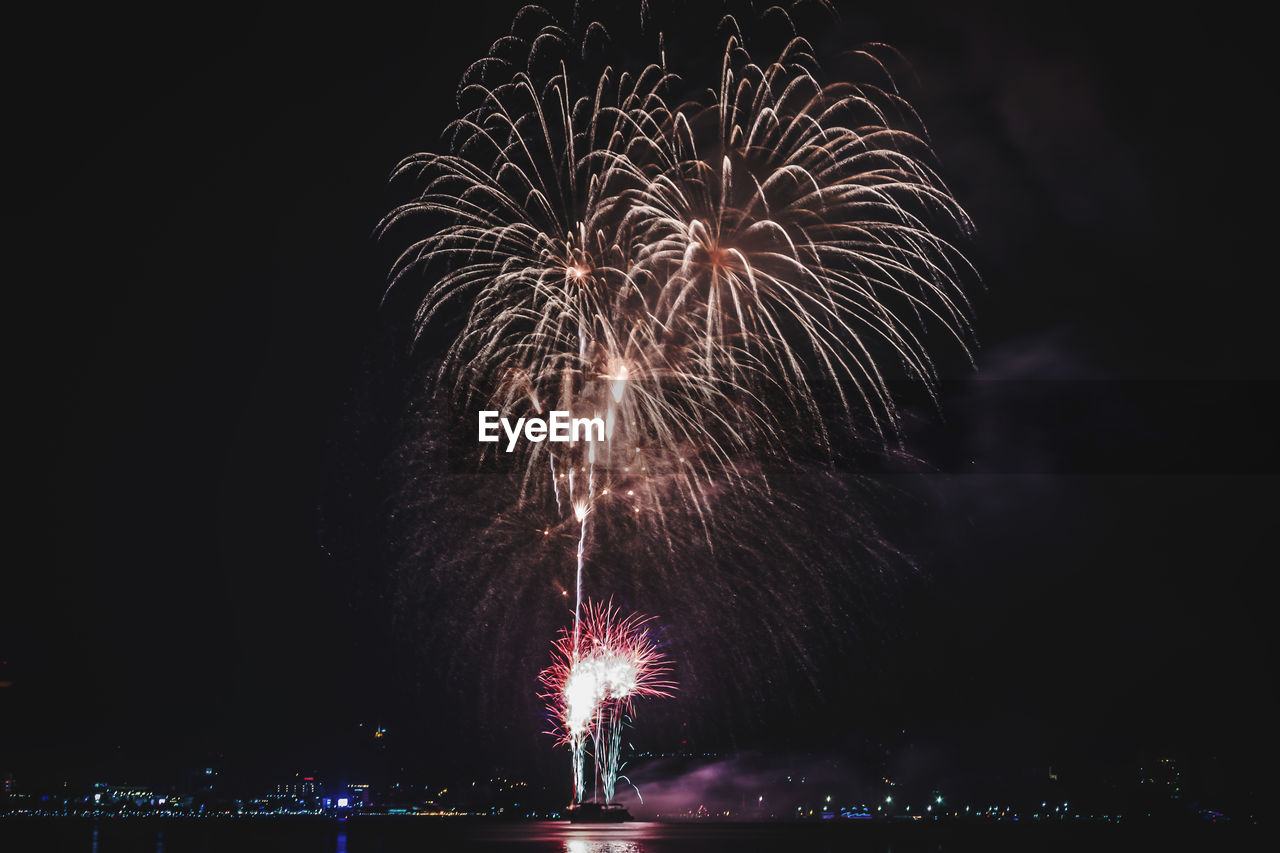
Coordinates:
616 661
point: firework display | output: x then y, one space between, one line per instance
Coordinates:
708 277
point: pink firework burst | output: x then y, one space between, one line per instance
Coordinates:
598 669
614 660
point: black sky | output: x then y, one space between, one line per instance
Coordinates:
205 391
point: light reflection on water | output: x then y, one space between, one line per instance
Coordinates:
585 845
564 837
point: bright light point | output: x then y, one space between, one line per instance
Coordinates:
619 385
630 492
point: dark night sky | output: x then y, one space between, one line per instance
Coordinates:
205 388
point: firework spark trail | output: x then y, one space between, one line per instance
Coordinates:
714 276
729 255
